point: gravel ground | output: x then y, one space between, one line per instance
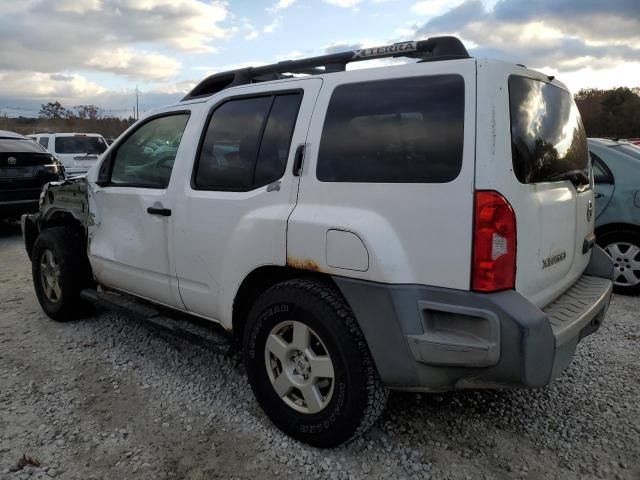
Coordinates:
104 398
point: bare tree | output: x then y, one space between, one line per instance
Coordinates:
53 110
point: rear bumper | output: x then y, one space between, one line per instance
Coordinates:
435 339
76 171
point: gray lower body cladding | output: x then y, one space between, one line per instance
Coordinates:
438 339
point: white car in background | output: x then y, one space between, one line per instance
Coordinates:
78 152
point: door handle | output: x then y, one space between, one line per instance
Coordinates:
165 212
598 195
297 161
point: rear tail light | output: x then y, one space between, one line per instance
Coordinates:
494 243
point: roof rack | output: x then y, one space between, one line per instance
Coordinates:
436 48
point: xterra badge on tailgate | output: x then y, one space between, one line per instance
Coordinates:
553 259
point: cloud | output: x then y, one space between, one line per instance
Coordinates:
565 35
61 78
58 35
339 47
563 9
344 3
124 61
273 26
24 92
77 6
281 5
434 7
46 86
252 35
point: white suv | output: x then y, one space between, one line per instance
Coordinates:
78 152
421 227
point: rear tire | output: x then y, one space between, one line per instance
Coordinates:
623 246
60 271
341 394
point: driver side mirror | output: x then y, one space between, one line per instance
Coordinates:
104 171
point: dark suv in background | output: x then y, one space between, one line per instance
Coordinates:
25 166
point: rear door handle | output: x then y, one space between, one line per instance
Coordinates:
297 161
598 195
165 212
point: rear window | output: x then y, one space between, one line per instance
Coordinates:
17 145
407 130
80 144
548 141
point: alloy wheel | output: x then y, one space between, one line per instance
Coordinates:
299 367
50 276
626 263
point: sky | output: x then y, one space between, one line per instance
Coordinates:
98 51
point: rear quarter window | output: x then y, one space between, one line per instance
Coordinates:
407 130
548 140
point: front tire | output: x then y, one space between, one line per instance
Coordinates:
623 246
309 365
60 270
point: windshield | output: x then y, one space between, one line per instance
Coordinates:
79 144
548 141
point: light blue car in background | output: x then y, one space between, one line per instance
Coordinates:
616 170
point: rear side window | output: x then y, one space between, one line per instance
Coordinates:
407 130
601 174
80 144
548 141
44 141
247 143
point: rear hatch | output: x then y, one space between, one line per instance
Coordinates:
79 152
548 181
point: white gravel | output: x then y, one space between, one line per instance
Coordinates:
105 398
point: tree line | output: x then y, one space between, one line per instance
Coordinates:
613 113
56 110
55 117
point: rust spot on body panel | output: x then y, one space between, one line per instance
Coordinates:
303 264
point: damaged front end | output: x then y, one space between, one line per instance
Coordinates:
61 203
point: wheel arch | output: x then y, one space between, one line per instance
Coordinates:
61 218
614 227
32 226
257 282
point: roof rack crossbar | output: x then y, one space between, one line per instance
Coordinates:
436 48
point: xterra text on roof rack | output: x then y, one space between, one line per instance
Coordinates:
422 227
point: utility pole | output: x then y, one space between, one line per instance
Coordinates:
137 105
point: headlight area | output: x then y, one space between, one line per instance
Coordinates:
55 168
